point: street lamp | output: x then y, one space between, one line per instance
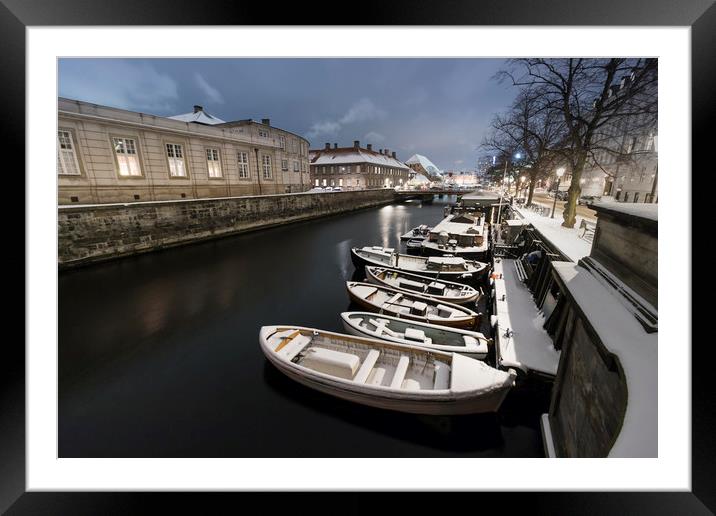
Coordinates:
560 173
505 180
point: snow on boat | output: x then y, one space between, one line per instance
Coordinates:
431 336
384 374
452 268
382 299
439 290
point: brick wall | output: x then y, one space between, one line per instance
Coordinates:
93 233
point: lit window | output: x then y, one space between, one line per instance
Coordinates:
266 164
243 158
284 164
213 163
125 149
175 156
67 163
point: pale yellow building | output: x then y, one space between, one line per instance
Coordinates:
107 155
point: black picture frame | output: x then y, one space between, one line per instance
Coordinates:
16 15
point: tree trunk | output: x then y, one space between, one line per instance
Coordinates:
575 189
533 180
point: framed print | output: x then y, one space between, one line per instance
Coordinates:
320 173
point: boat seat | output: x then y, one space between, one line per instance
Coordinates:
410 385
415 334
418 308
330 362
393 299
411 285
442 376
364 291
379 325
376 376
445 311
367 366
296 345
400 371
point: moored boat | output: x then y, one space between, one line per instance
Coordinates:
384 374
452 268
433 288
367 324
382 299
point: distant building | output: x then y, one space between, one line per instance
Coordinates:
423 165
107 155
356 168
625 162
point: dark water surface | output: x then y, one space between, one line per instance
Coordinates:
159 354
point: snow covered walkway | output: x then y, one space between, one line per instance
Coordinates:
567 240
528 347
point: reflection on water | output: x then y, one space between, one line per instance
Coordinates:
159 354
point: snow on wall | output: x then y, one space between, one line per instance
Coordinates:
637 350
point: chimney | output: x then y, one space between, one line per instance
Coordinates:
370 146
385 151
198 108
356 144
335 145
328 145
266 121
380 151
394 155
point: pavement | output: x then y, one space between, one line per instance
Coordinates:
543 199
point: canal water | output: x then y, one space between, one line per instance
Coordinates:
159 354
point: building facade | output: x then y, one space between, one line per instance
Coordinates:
109 155
356 168
624 162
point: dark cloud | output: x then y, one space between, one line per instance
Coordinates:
436 107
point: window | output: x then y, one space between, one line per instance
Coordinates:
284 164
636 197
266 165
263 133
125 150
316 182
303 166
67 163
175 155
282 143
626 197
324 182
243 165
357 169
213 163
340 182
295 166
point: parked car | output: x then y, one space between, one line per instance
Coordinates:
586 199
337 189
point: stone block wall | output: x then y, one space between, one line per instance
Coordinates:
93 233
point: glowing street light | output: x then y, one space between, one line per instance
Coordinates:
560 173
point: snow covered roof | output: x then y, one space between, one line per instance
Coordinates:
636 349
425 163
346 155
567 240
199 116
648 211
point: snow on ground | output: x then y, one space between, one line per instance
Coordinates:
566 240
646 210
530 347
636 349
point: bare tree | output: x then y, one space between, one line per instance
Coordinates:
587 95
535 130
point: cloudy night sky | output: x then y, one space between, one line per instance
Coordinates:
436 107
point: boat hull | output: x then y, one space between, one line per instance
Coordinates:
466 300
467 323
358 333
438 405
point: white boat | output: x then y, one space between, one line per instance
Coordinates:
453 268
445 291
366 324
414 307
384 374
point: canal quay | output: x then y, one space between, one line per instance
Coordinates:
158 353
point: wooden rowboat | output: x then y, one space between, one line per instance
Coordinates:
451 268
384 374
440 290
431 336
414 307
